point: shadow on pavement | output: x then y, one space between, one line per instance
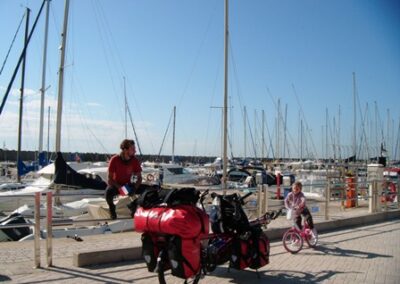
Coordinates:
337 251
64 273
4 278
274 276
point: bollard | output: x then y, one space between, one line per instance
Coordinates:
49 227
328 196
398 190
356 187
350 192
259 192
278 186
37 230
265 198
371 198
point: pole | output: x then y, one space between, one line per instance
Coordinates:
225 156
37 230
42 89
21 100
354 117
126 110
173 137
61 78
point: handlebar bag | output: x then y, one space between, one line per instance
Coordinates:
186 221
184 256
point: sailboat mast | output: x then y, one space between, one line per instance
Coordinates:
173 137
262 135
245 132
42 89
21 102
61 78
126 110
225 154
354 118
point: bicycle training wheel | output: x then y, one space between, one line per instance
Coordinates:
312 238
292 241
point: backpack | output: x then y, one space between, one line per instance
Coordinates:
227 214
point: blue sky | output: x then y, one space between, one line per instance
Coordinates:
297 56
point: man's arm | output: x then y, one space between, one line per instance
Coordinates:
111 181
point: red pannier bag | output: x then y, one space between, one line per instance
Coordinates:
184 256
186 221
252 252
261 248
241 253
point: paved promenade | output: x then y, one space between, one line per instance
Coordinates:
360 254
368 254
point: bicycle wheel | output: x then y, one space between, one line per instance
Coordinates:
160 266
312 237
292 241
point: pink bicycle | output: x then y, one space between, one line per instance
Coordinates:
293 239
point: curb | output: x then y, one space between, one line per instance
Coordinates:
95 257
328 226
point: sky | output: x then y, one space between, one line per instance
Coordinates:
294 68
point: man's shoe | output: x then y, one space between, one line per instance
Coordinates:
113 215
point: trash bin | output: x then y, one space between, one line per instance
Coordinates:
350 192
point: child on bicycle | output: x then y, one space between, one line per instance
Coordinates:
296 201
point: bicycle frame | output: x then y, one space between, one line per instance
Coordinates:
293 239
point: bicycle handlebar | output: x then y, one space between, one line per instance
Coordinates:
245 196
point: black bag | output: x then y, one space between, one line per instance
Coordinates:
177 196
227 215
218 252
149 251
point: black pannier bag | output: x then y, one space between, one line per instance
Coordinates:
218 252
149 251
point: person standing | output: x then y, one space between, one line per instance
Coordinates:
123 170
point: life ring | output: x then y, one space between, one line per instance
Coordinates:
150 177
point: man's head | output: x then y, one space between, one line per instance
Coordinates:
126 143
297 186
128 148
